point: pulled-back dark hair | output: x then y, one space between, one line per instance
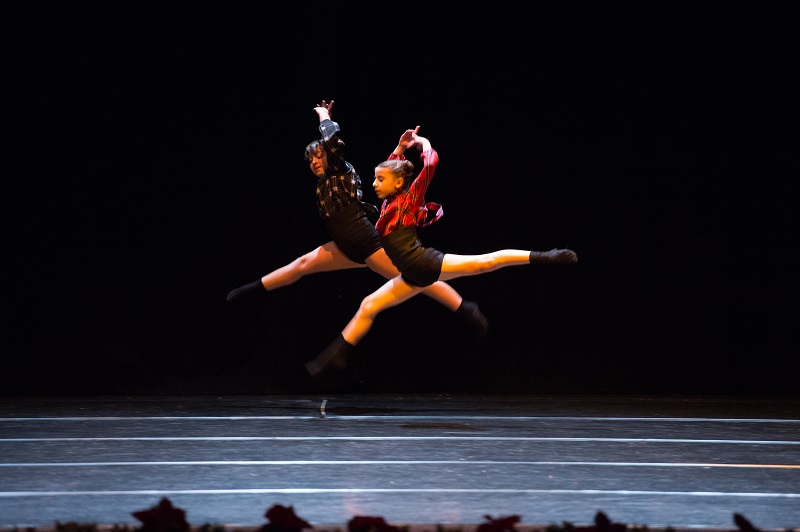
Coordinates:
400 168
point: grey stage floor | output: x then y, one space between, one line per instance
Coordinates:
685 462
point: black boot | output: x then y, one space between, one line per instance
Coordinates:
473 317
554 256
248 295
334 357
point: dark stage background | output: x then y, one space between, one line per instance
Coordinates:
155 161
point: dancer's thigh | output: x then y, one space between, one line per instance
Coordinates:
381 263
454 266
393 292
328 257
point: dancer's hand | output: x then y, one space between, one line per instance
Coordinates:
409 138
324 109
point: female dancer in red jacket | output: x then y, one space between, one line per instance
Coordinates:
404 209
355 242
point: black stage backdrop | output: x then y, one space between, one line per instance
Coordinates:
154 161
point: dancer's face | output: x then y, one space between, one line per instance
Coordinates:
386 183
318 162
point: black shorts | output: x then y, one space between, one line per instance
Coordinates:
419 266
353 233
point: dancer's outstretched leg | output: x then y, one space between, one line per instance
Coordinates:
326 258
454 266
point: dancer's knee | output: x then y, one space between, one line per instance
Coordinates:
304 265
486 263
370 307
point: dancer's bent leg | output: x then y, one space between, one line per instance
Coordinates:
441 292
392 293
336 355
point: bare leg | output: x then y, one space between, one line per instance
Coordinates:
392 293
439 291
336 356
455 266
326 258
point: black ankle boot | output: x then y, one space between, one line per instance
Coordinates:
250 294
334 357
554 256
473 317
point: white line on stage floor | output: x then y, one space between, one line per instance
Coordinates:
329 416
401 438
259 491
394 462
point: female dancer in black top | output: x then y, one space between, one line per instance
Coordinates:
355 242
404 209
